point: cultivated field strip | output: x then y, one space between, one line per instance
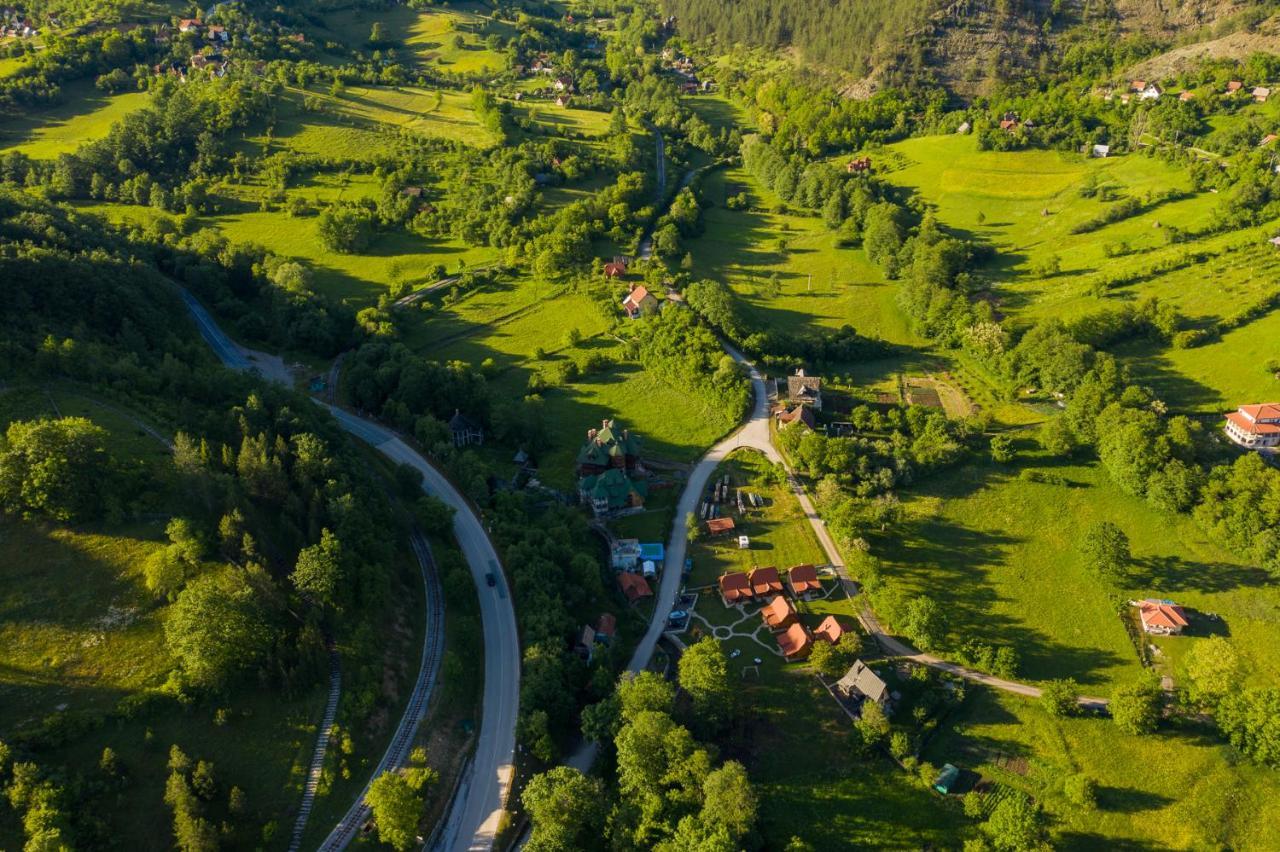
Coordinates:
322 746
397 752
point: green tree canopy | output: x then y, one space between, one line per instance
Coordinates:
57 468
567 808
396 807
219 628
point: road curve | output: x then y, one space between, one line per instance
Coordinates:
477 811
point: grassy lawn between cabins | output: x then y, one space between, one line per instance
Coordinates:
779 532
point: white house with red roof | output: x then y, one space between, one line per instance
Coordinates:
1255 427
1161 617
639 301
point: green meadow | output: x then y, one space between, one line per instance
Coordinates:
79 632
426 35
86 115
1177 789
1001 556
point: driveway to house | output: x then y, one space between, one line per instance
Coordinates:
476 813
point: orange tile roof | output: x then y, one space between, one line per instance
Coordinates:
607 624
1264 411
765 580
735 587
778 612
804 578
830 630
1252 426
637 296
715 526
1162 614
634 586
795 641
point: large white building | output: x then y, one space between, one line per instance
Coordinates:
1255 427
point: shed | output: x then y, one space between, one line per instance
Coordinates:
719 526
947 779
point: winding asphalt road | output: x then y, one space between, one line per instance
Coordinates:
482 797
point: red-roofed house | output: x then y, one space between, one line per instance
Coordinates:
1234 86
1163 617
778 614
795 642
719 526
638 301
735 588
187 25
765 581
1255 427
615 269
799 414
829 629
803 579
634 586
606 626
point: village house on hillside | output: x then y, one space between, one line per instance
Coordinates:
861 682
804 389
1161 617
611 477
639 301
1255 427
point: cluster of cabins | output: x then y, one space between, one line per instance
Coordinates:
1145 90
611 477
779 612
687 72
15 24
1255 427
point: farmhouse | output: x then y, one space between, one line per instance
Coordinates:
829 629
1101 151
634 586
564 84
858 164
1008 125
861 681
1161 617
615 269
1146 91
735 588
798 414
778 614
639 301
1260 94
795 642
1255 427
563 100
464 430
189 25
765 581
805 390
803 579
1234 86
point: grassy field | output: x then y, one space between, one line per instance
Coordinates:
779 532
1217 377
820 285
427 36
1027 203
79 632
1001 555
559 121
87 114
1201 797
508 322
363 121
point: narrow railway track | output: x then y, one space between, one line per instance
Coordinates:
397 753
317 757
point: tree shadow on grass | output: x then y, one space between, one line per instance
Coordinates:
1175 573
1088 842
1128 800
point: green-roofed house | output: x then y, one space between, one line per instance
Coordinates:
612 491
610 446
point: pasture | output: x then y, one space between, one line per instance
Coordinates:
451 40
1202 797
787 269
1001 555
86 115
510 321
79 633
362 124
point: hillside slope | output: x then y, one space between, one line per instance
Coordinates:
965 44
